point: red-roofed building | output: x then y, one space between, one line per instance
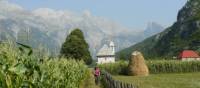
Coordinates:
188 55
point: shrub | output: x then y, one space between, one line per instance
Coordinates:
116 68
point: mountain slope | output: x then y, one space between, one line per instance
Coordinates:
183 34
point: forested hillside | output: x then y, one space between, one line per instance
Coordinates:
183 34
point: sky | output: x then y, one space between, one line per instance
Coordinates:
130 13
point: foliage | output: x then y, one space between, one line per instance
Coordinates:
76 47
156 67
89 81
20 69
63 73
117 68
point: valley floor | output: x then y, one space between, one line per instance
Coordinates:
179 80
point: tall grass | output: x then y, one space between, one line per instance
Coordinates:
155 67
20 68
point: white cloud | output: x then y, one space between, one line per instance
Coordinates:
87 13
48 13
6 6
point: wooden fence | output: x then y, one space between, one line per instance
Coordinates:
109 82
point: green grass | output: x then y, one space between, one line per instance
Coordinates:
181 80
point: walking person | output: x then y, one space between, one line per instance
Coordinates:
97 75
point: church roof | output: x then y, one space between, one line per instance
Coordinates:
105 51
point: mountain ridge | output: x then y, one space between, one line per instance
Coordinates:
183 34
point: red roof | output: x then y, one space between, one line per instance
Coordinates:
189 54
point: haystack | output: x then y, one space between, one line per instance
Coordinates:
137 66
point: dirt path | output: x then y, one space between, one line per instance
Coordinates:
90 82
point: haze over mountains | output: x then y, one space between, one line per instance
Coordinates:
153 28
49 28
184 34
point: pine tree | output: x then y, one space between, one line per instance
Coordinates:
76 47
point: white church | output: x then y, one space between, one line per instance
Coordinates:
106 54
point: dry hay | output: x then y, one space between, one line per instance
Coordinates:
137 66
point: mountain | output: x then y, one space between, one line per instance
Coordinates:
153 28
48 28
183 34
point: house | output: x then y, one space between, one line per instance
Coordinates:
106 54
189 55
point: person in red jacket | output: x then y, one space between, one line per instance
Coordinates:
97 75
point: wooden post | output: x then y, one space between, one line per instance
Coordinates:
128 86
124 85
111 83
121 85
132 86
117 84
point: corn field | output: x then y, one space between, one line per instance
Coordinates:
155 67
173 66
20 68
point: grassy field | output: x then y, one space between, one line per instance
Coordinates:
181 80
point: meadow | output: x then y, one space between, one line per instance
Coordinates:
170 80
163 74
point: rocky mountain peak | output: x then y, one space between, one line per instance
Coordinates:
189 11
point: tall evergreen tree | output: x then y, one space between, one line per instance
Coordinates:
76 47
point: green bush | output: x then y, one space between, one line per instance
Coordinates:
118 68
155 67
20 69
